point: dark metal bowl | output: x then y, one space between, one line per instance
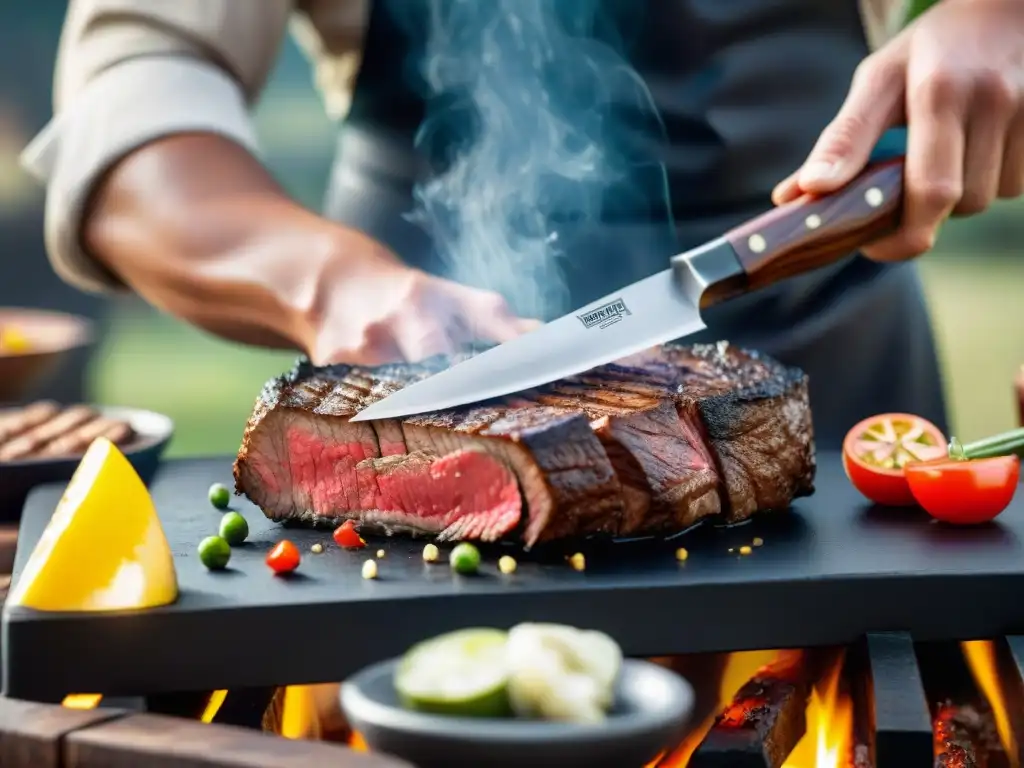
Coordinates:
50 335
153 431
652 708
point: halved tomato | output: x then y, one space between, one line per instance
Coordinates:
877 449
964 492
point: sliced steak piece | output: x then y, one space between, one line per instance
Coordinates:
301 458
758 418
566 477
669 478
299 452
420 493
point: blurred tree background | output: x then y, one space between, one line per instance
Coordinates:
974 280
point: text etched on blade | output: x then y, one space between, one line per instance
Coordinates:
605 315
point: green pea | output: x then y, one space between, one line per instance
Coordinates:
220 496
214 553
233 528
464 558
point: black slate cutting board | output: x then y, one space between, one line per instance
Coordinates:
830 569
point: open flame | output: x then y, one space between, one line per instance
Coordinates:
828 742
299 719
981 658
739 668
92 700
82 701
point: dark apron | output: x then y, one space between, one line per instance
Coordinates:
743 89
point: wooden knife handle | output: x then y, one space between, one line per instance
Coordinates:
814 232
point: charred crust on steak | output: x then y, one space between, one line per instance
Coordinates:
651 444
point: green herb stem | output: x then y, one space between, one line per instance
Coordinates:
1004 444
956 449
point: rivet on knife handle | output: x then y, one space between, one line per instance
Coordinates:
814 232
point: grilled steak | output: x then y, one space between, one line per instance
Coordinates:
652 444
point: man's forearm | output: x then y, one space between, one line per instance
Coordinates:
195 225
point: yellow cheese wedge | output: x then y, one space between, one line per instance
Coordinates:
104 548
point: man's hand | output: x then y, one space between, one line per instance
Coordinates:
955 76
373 309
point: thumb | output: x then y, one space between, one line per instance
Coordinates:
874 104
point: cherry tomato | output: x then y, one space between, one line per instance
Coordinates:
345 535
876 450
964 492
284 558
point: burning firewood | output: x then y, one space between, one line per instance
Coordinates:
965 737
763 722
964 733
856 680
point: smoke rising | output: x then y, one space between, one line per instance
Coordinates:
525 106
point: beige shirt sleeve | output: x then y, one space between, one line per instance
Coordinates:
131 71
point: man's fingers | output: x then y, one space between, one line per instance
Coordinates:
452 316
933 175
376 346
1011 182
787 190
526 324
487 315
419 337
983 164
502 332
501 328
873 104
992 109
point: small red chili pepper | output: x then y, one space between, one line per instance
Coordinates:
345 535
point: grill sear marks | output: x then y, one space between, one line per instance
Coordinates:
650 445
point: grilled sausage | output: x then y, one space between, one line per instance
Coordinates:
44 429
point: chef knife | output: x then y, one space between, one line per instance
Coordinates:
790 240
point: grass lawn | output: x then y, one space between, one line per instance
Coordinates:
208 386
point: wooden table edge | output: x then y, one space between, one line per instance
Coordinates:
34 735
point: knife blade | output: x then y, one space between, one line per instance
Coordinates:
787 241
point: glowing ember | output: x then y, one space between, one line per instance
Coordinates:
357 743
828 742
960 737
981 658
739 669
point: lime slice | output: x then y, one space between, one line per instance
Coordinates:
461 673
